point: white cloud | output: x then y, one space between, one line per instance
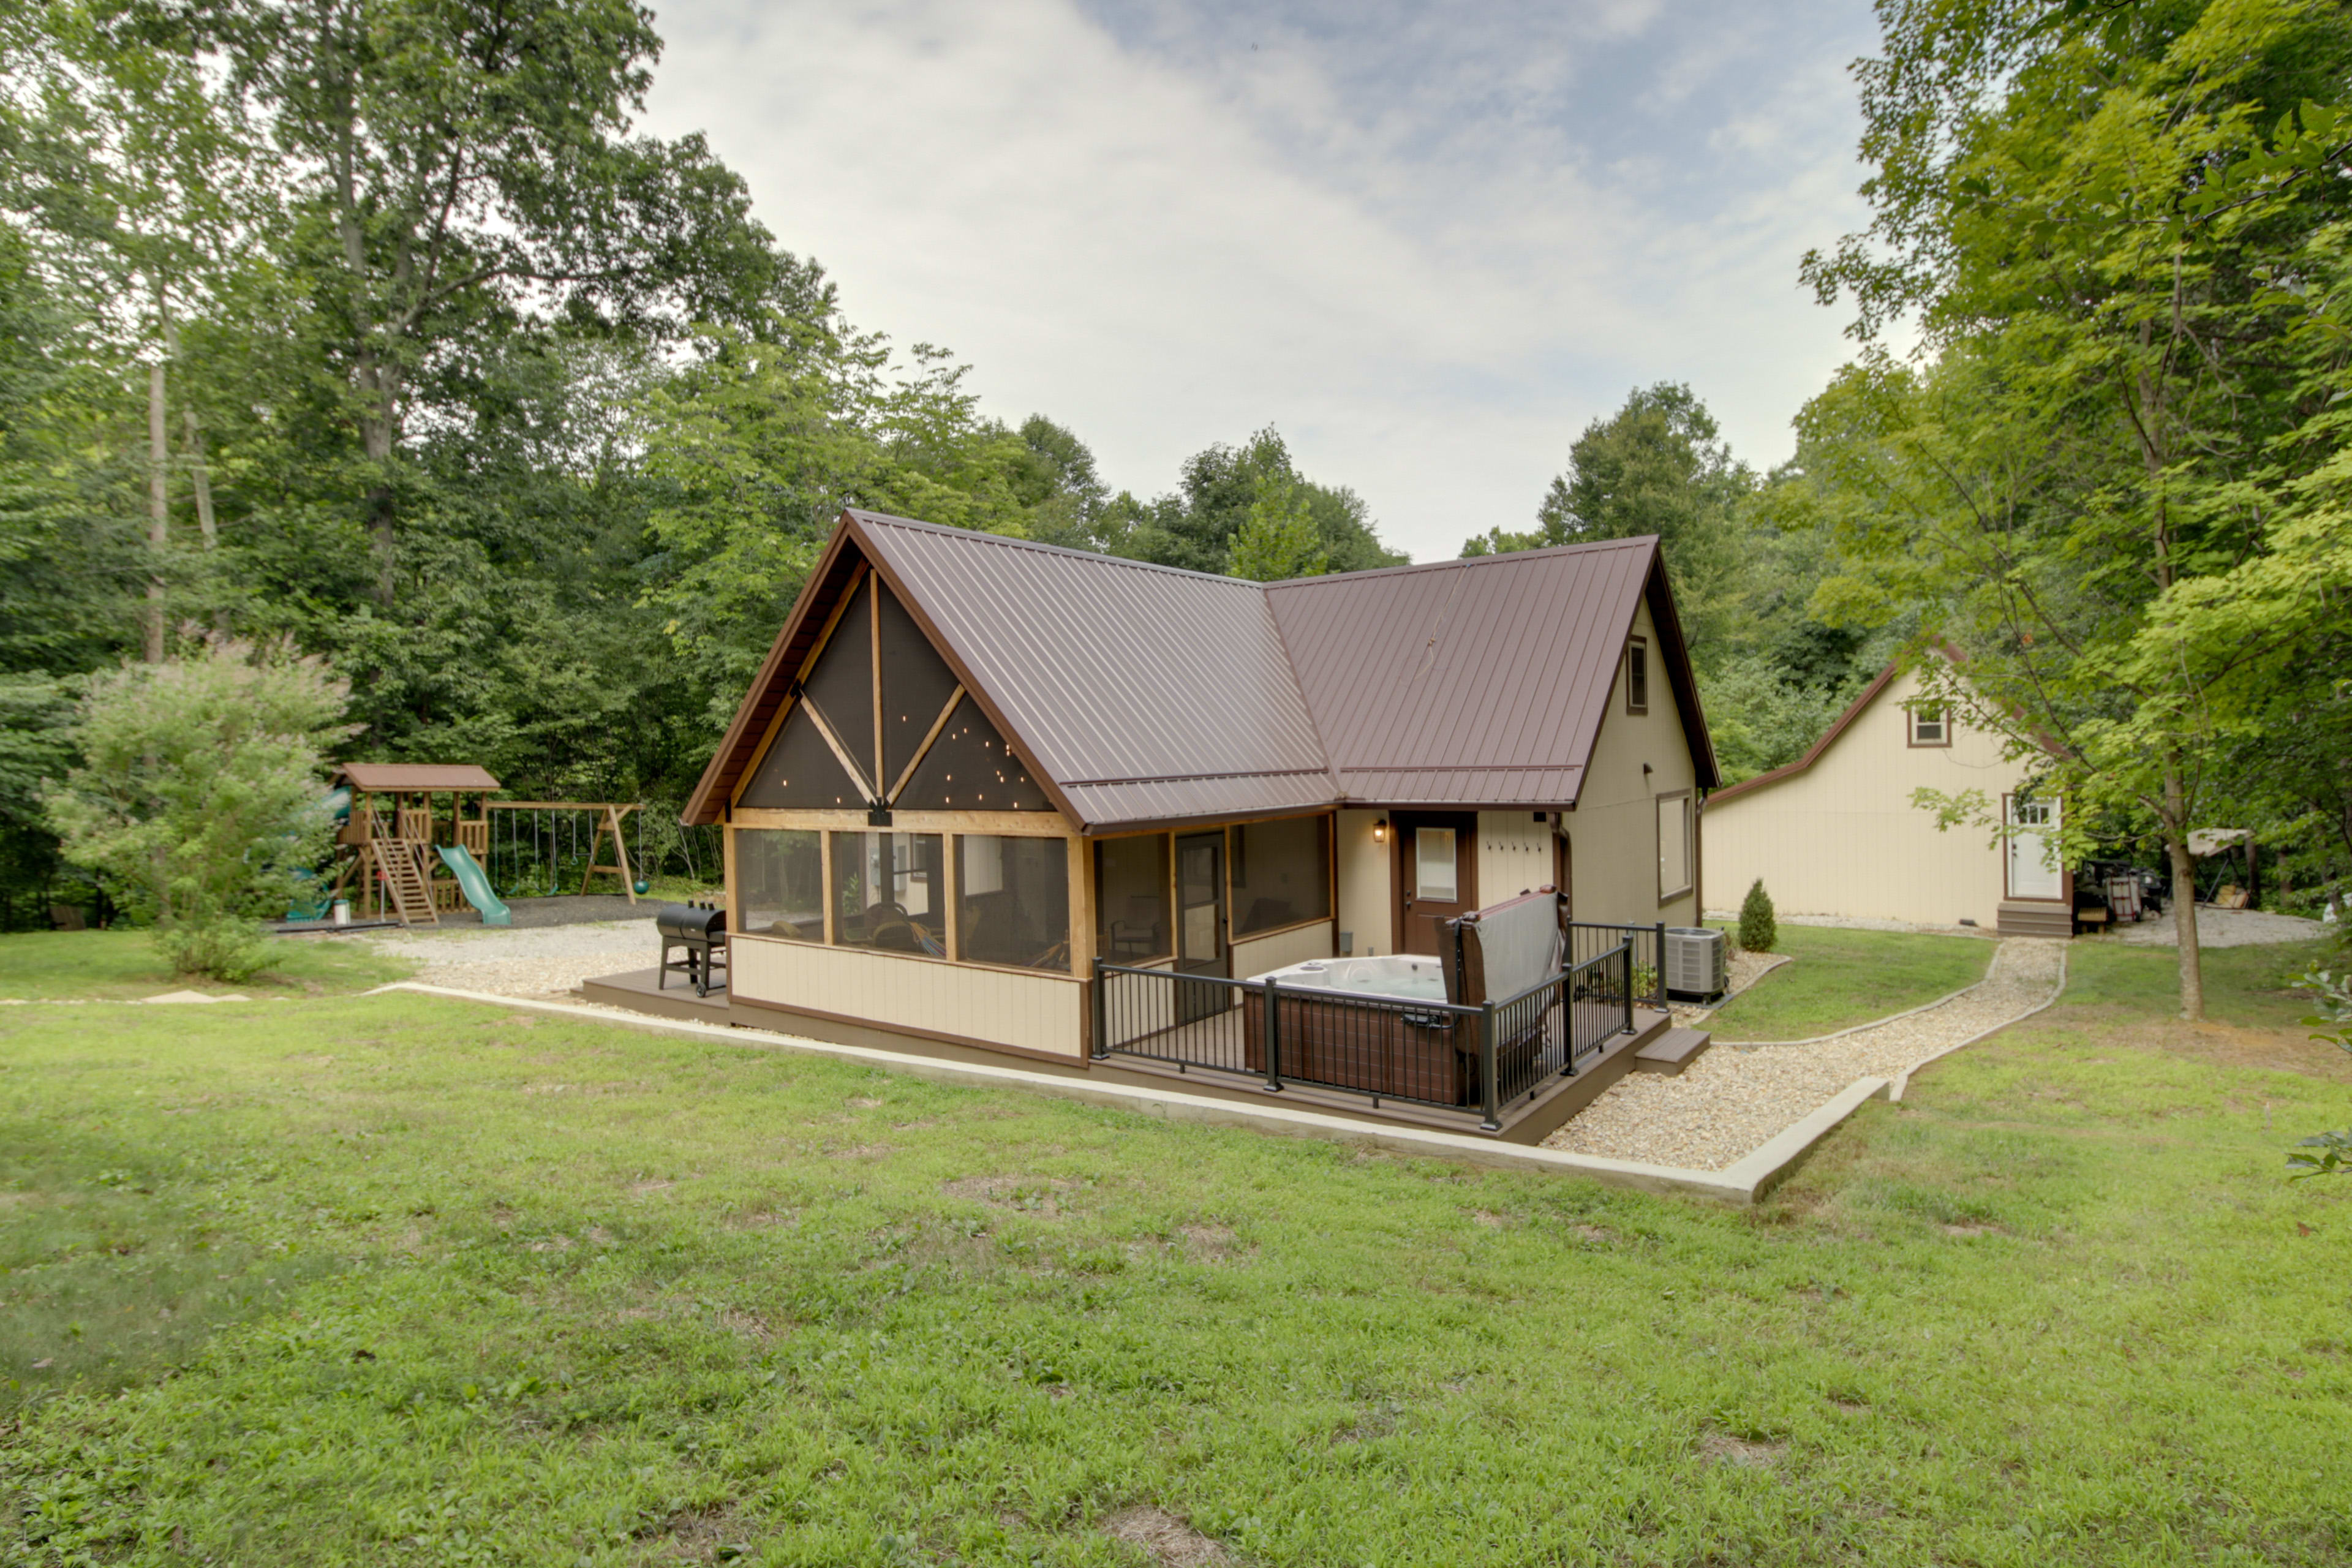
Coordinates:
1429 243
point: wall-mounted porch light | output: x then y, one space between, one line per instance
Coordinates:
1380 831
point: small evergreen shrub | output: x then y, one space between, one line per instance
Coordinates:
1759 933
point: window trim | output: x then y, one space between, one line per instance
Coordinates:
1911 717
1633 706
1690 845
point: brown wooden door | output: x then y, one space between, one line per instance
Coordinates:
1436 855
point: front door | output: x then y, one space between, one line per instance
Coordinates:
1436 874
1201 904
2034 870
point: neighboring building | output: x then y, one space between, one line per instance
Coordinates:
972 766
1835 832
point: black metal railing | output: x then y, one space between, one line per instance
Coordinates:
1448 1054
1589 939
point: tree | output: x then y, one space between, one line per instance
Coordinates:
1657 466
1195 528
197 799
455 173
1279 541
2100 493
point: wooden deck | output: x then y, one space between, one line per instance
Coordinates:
1528 1120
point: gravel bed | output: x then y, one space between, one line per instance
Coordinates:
550 960
2221 928
1732 1100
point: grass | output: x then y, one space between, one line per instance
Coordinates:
1842 978
451 1284
122 965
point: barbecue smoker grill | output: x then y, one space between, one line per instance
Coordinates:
703 934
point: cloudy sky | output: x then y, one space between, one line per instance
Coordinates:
1426 242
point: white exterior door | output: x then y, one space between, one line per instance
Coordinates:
2034 870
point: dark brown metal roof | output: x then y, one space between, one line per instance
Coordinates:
1481 681
1145 695
426 776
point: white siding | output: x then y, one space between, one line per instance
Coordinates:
1256 955
1842 838
1614 831
1366 902
1033 1011
1514 855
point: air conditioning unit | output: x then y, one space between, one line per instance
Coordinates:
1698 966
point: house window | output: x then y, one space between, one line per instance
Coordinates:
1131 899
780 882
1637 676
1674 845
888 891
1433 875
1930 727
1013 901
1281 873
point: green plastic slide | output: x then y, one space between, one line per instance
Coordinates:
474 885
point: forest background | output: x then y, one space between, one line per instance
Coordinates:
373 327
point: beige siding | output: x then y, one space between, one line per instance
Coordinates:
890 991
1842 838
1256 955
1614 831
1366 897
1514 855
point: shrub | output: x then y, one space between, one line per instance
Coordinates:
2332 1025
1759 931
197 800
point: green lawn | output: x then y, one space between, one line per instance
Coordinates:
121 965
398 1279
1842 978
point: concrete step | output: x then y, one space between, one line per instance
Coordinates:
1672 1050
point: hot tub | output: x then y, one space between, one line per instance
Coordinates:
1349 1023
1412 975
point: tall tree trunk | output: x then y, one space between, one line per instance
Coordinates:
202 483
376 429
159 516
2184 893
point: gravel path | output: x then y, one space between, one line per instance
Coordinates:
548 962
1731 1101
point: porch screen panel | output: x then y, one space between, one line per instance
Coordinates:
969 768
888 892
1281 873
1132 899
799 771
916 684
779 878
1013 901
841 683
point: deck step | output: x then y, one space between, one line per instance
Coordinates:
2036 920
1672 1051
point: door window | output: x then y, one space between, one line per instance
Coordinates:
1198 897
1432 861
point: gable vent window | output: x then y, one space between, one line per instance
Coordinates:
1637 676
1931 728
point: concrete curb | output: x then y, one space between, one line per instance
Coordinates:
1743 1183
1903 1078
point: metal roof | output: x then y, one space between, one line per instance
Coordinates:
1152 693
1476 681
426 776
1145 695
